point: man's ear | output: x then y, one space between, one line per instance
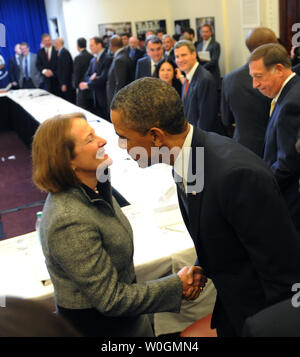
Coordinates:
158 137
280 68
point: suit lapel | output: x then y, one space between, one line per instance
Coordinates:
274 116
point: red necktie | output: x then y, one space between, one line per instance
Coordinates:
186 86
47 54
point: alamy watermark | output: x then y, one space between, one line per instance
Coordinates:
192 174
296 298
2 35
296 36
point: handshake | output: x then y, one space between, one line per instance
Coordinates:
193 281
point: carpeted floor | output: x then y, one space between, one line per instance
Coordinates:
19 198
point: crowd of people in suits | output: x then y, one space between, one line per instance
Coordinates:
93 77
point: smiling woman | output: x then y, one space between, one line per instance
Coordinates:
88 242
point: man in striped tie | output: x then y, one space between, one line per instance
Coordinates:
46 63
199 92
270 68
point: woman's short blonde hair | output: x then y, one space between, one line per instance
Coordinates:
52 152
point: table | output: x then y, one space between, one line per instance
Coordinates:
24 273
162 243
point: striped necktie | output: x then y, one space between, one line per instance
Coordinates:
186 86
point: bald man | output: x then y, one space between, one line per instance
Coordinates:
243 105
64 71
121 71
134 52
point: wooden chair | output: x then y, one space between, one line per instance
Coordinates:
200 328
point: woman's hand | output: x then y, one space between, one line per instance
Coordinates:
179 75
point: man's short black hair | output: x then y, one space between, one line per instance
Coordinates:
97 40
81 42
150 102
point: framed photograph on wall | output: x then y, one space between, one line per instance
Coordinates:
180 25
108 30
143 26
204 20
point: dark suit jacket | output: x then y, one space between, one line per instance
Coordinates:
136 55
51 84
213 65
280 153
279 320
81 65
65 74
143 67
201 102
171 55
246 107
64 67
243 234
13 69
296 69
98 85
120 74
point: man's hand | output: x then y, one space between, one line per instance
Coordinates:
63 88
48 73
193 281
83 85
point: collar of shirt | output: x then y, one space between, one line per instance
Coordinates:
181 164
49 50
206 43
283 85
98 56
189 75
168 52
153 66
118 51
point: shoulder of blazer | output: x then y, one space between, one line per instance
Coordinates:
144 60
294 82
198 138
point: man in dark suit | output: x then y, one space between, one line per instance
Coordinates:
81 65
168 46
229 199
47 64
14 67
210 45
64 71
96 77
199 92
146 66
134 52
121 71
244 106
270 68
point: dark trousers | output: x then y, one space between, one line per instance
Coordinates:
27 83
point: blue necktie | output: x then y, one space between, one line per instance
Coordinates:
131 54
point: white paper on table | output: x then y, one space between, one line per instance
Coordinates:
204 55
37 262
